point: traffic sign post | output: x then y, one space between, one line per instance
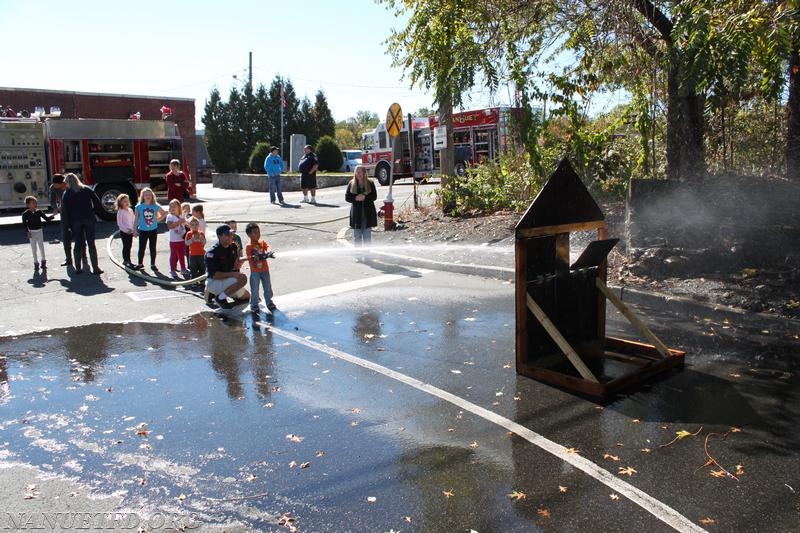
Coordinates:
394 123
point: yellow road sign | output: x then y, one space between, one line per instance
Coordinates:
394 120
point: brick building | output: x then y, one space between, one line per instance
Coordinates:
119 106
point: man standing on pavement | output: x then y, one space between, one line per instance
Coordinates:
273 165
308 174
222 269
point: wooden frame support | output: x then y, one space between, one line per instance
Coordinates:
562 343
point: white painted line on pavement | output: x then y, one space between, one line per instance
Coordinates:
350 285
660 510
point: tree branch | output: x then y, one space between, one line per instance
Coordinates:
655 17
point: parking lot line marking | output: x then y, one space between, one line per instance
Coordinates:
657 508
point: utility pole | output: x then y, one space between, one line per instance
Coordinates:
250 72
283 105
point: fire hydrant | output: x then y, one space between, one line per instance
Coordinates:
388 212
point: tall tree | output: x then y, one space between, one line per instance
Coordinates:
442 48
323 118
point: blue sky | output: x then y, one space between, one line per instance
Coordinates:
184 48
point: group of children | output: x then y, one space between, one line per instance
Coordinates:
186 224
187 241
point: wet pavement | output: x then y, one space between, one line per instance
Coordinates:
382 396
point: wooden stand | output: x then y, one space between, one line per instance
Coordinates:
560 308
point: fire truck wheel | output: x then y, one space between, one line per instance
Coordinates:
108 198
382 173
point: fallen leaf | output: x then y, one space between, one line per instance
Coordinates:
320 453
543 512
739 470
735 430
614 497
573 450
473 444
645 450
292 464
717 473
636 421
448 493
562 489
356 410
518 495
682 434
620 445
627 471
31 492
305 465
407 519
182 497
372 499
707 521
609 456
294 438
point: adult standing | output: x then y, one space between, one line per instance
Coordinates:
57 189
361 194
177 182
308 174
223 278
273 165
80 203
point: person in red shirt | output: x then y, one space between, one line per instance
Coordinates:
258 252
177 182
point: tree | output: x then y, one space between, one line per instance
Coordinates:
323 119
441 48
329 154
304 121
345 138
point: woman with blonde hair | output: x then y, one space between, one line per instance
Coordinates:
361 194
80 205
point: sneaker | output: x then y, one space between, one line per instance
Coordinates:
208 297
173 274
154 268
271 306
139 267
97 271
186 273
35 265
223 303
255 310
313 201
66 263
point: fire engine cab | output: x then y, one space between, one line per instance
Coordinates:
478 136
112 156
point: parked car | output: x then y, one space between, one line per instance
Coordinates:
350 158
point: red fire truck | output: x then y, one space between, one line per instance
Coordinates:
111 156
478 136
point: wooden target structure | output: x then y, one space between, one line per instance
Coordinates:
561 306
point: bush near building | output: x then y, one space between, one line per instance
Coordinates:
329 155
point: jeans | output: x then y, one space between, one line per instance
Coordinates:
266 284
275 189
83 235
66 240
362 236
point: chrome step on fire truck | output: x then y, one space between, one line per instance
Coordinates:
112 156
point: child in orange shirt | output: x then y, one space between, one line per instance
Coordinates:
196 242
257 253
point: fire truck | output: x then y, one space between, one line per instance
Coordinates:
112 156
478 135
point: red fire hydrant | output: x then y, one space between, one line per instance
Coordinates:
388 213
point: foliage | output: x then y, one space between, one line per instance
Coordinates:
507 183
255 162
322 117
345 138
329 155
233 128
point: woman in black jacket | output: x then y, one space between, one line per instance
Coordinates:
80 203
361 194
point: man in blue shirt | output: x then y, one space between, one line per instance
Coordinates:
273 164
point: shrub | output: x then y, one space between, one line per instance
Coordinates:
507 183
329 156
256 160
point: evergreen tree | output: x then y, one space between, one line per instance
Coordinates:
305 122
323 118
